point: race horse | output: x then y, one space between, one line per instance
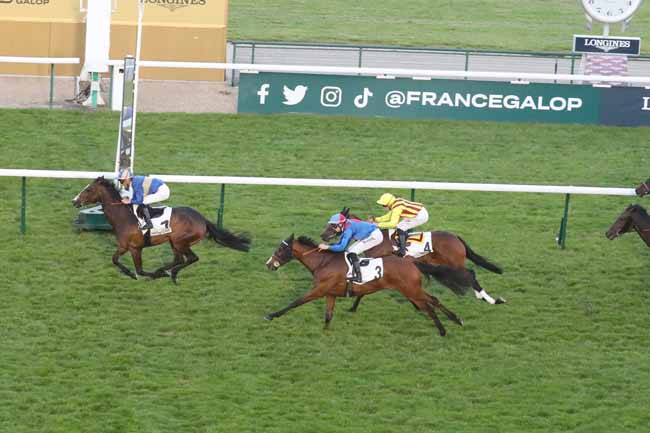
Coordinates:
329 272
634 217
188 227
643 189
445 249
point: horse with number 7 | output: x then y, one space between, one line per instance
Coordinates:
188 227
329 272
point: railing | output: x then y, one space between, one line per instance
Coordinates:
336 183
43 60
384 55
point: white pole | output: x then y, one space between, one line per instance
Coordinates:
138 45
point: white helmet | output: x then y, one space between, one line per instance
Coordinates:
124 173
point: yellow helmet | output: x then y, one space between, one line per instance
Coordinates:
386 199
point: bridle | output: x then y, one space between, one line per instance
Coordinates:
646 188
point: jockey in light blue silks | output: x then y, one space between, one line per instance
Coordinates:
141 190
366 235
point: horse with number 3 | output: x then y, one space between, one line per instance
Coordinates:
188 228
329 272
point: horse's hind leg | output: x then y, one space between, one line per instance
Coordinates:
424 306
190 258
480 292
435 303
163 270
116 261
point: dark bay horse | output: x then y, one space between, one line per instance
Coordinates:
643 189
188 227
329 279
634 217
446 249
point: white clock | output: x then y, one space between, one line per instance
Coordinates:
611 11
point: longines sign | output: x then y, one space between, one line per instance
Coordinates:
606 45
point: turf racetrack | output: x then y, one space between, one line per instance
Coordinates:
86 349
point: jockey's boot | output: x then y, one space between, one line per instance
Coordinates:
402 235
147 218
356 267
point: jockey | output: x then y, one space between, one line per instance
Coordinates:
141 190
403 215
366 234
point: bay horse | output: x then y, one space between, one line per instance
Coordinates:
446 249
643 189
329 272
634 217
188 228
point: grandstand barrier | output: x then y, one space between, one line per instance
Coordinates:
43 60
334 183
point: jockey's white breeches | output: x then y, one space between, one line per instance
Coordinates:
375 238
160 195
409 223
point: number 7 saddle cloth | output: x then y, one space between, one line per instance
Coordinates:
160 218
371 269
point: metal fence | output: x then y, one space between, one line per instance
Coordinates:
372 56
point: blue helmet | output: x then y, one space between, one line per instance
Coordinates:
337 218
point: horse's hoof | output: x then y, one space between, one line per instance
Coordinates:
500 301
442 332
268 317
461 322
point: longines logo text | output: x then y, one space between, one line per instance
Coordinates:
27 2
172 5
607 44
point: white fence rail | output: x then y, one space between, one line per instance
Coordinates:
346 183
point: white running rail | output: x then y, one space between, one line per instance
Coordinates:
347 183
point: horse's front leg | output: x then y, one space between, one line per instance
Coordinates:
116 261
136 253
315 293
357 301
329 312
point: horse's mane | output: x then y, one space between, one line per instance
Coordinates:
110 186
637 208
305 240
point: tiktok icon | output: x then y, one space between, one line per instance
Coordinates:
361 101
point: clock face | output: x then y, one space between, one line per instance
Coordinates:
610 11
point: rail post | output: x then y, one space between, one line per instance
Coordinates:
561 238
222 200
51 85
23 206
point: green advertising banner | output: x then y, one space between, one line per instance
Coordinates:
417 98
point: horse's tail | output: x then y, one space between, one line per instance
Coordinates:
480 260
455 279
240 242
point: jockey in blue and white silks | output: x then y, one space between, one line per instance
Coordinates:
366 235
142 190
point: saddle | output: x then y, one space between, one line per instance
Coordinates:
155 212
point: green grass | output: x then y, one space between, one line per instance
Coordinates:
86 349
532 25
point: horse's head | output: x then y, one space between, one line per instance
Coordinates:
282 255
643 189
90 194
624 222
332 230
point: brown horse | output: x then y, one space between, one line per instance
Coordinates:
643 189
188 227
446 249
634 217
329 272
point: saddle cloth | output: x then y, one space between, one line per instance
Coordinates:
371 269
160 218
418 244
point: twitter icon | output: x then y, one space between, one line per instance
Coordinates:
295 96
